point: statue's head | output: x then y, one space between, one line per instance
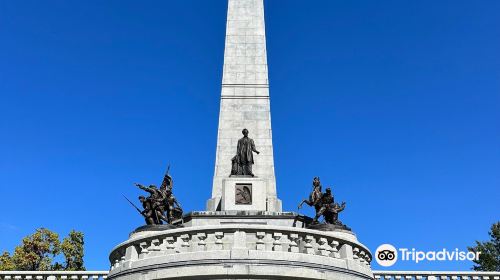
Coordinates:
328 190
316 181
245 132
142 198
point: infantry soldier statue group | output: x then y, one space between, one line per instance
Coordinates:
160 206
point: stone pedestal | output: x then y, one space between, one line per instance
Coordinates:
244 193
234 189
284 219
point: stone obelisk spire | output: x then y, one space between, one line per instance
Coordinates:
245 104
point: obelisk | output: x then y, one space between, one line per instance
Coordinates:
245 104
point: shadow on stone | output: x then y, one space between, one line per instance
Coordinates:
155 228
328 227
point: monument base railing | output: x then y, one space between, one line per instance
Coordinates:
378 274
53 275
246 251
436 275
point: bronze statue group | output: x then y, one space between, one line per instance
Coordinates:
160 206
324 204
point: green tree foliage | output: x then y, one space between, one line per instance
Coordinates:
37 252
72 249
489 257
6 262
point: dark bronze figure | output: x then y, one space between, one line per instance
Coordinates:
161 205
168 182
243 161
314 196
156 203
324 204
332 216
148 211
174 207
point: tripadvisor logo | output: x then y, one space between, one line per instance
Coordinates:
387 255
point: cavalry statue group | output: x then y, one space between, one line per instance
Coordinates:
324 204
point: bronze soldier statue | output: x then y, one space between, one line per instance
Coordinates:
329 209
332 216
148 211
174 209
168 182
324 204
161 205
243 161
156 200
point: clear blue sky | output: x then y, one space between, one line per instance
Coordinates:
394 103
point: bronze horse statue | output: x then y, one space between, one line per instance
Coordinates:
314 196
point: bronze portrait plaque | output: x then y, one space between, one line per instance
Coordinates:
243 193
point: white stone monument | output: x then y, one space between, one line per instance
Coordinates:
245 104
244 234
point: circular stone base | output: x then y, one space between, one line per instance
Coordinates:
241 251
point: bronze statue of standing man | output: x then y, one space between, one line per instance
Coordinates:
243 161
